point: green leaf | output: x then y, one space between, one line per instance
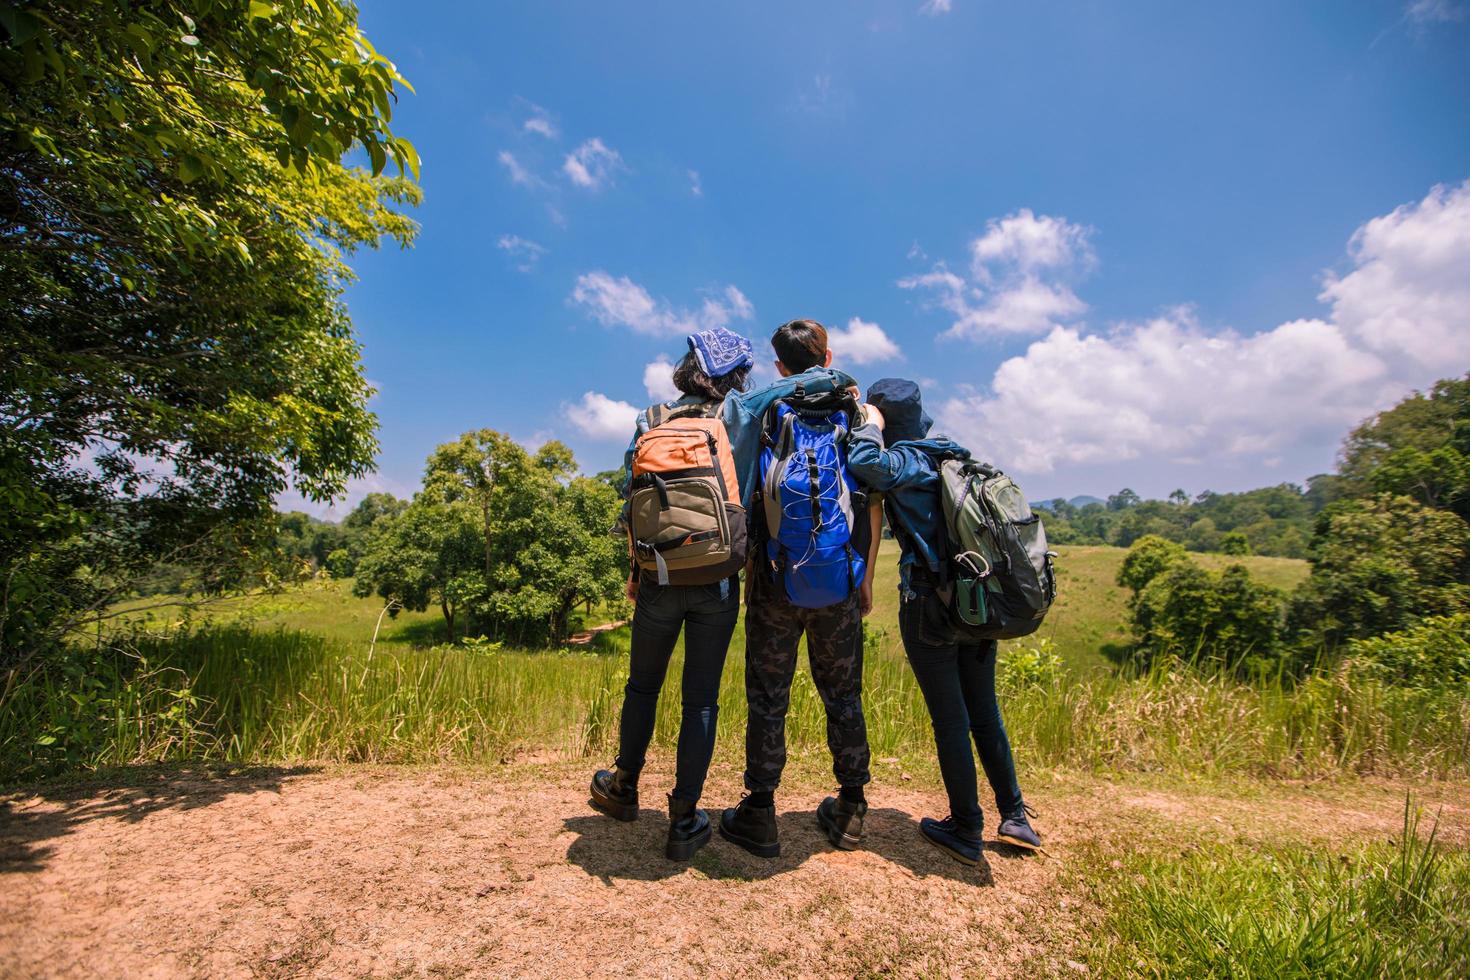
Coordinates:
191 168
379 158
261 11
408 155
190 40
19 24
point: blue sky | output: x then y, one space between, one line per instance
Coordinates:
1115 241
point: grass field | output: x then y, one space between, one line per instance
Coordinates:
282 679
1089 616
290 679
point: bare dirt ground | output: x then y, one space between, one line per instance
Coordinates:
352 871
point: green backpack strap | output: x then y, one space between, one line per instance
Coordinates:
657 415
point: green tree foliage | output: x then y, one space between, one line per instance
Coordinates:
1378 565
1433 655
509 538
429 555
1235 543
1185 611
174 223
1417 448
1150 556
1273 520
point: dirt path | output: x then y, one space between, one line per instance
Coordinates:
412 872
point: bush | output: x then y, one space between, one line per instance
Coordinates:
1149 556
1434 655
1379 565
1235 543
1228 618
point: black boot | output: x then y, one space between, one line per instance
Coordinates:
688 830
752 827
842 821
615 794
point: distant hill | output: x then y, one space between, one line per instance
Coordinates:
1078 502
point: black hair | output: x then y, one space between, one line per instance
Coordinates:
800 344
690 378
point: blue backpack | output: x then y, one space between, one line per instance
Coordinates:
808 497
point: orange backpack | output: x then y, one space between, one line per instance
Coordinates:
685 520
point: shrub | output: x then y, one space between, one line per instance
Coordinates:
1228 618
1379 565
1434 655
1149 556
1235 543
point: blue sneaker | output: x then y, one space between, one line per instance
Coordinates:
961 844
1016 829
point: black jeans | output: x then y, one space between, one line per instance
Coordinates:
834 647
707 614
958 682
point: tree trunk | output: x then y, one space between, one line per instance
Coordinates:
448 611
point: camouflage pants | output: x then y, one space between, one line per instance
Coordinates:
834 636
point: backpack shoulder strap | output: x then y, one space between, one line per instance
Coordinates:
657 415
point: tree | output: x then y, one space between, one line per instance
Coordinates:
1421 422
539 538
1179 498
176 221
1189 612
1235 543
1379 565
1149 557
427 555
371 509
1123 499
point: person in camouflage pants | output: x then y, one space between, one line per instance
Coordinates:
773 631
774 627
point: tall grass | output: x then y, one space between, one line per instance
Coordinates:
231 694
1395 910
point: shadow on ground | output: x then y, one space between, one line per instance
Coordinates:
33 815
609 850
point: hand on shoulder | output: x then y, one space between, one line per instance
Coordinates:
871 415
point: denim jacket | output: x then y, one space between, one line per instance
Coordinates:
742 413
908 476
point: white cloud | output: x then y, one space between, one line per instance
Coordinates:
518 172
593 164
1407 298
658 380
621 302
695 186
1171 389
1021 275
862 343
540 123
936 7
602 417
1434 11
522 251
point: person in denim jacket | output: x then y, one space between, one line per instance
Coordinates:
774 627
892 454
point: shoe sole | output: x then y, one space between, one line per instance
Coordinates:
685 849
1017 842
618 811
962 858
838 839
754 847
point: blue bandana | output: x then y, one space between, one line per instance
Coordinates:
720 351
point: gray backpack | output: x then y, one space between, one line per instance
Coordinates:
1001 580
